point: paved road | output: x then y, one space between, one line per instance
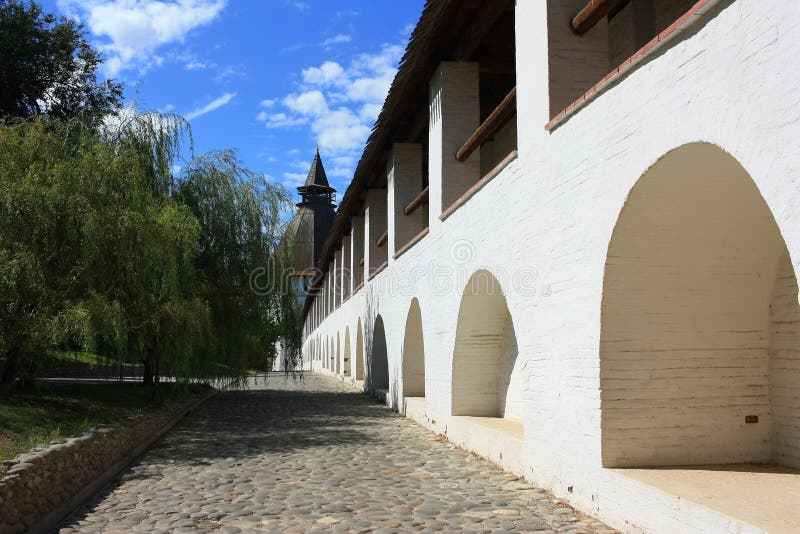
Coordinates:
311 455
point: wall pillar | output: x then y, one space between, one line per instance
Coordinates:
357 249
454 107
404 179
575 63
331 305
376 223
347 267
337 279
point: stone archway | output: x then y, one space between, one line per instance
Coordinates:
699 361
378 358
487 377
348 369
338 354
359 352
414 353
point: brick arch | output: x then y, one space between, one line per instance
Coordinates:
698 291
378 360
359 351
348 368
413 354
487 376
338 354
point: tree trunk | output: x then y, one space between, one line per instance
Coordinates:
147 372
156 381
10 370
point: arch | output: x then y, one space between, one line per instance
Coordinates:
414 353
332 357
348 370
698 292
378 376
338 354
359 352
487 375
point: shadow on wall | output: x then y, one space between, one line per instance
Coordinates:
377 363
348 358
359 351
412 360
488 377
699 360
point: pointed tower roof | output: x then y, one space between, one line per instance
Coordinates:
312 222
317 179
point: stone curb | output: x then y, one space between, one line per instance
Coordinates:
56 515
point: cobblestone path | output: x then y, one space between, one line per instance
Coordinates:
313 456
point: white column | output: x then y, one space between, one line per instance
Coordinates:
376 222
404 179
454 117
337 278
357 238
347 267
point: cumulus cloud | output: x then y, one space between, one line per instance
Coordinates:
131 32
211 106
328 73
338 103
311 103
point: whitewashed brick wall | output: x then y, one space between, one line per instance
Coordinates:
543 226
785 367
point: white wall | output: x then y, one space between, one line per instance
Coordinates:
543 226
784 352
685 316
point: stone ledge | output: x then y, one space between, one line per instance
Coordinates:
39 489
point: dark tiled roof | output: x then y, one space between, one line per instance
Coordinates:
316 175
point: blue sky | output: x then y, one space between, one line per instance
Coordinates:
267 77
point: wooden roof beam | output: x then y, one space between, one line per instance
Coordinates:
482 23
594 11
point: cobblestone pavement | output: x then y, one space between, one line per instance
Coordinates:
312 456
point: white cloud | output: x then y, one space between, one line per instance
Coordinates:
337 39
308 103
195 65
211 106
297 4
281 120
131 31
230 71
338 103
266 103
294 179
328 73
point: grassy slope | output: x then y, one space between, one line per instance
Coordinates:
32 418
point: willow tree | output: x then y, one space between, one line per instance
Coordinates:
103 245
240 229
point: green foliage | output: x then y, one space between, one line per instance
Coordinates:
239 214
105 250
47 67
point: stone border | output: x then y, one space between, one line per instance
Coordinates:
42 488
